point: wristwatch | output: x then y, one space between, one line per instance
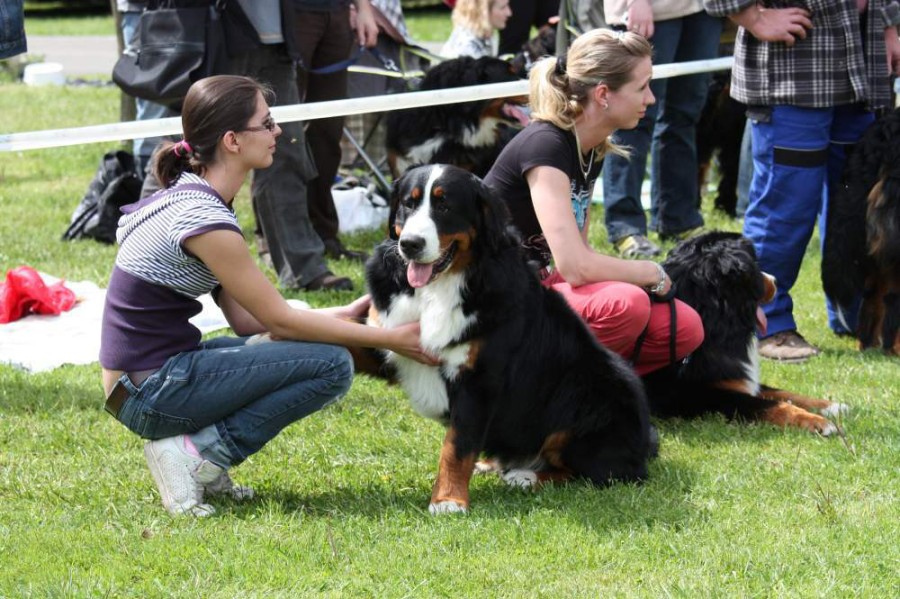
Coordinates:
661 284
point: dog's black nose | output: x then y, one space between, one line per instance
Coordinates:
412 246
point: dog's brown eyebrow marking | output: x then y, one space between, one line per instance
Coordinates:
416 193
438 192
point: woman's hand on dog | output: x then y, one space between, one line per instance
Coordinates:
406 343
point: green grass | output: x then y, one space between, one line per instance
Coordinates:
729 511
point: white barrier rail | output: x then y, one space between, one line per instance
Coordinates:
55 138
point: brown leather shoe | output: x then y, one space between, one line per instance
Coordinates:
787 346
328 281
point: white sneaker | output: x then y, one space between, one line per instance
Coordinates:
180 476
223 485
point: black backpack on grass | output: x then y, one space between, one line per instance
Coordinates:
116 184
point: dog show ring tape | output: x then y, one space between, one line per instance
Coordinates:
56 138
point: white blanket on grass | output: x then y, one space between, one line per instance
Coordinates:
38 343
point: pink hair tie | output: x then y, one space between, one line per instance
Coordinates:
182 145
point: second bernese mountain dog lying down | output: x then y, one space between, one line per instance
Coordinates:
717 274
469 135
861 253
522 380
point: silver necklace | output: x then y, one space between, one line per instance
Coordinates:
585 167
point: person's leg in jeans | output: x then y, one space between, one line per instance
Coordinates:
848 126
324 39
745 173
789 167
279 193
674 149
224 402
145 110
623 177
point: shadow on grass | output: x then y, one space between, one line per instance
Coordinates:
662 500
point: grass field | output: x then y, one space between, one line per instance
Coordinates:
730 510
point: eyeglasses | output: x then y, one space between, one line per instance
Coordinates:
268 124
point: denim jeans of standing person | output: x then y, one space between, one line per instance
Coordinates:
668 134
145 110
745 173
797 154
231 398
280 193
12 28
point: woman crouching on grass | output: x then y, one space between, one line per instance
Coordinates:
207 406
546 176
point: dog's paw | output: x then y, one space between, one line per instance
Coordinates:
523 479
828 429
487 467
446 507
835 410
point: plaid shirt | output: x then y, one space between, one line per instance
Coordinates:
843 59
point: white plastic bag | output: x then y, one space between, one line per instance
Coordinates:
359 208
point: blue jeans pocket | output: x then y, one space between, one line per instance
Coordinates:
139 416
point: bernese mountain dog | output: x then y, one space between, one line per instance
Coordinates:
861 252
718 275
469 135
521 378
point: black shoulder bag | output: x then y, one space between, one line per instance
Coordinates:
179 42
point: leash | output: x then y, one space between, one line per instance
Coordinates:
668 298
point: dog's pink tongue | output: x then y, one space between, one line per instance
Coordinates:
761 322
515 112
418 274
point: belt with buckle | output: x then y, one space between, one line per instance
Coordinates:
120 394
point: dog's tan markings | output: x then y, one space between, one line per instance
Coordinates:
437 192
454 473
463 258
738 385
474 350
801 401
398 230
876 241
785 414
553 447
416 193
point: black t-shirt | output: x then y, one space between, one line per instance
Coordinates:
540 144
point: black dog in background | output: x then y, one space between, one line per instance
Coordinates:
717 274
469 135
861 253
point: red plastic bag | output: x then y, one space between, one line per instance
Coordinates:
24 293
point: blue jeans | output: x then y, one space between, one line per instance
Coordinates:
797 154
668 133
145 109
12 28
745 173
233 398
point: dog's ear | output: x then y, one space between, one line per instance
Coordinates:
394 204
494 217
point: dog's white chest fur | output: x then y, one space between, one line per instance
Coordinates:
438 308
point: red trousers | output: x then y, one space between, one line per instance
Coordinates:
617 313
